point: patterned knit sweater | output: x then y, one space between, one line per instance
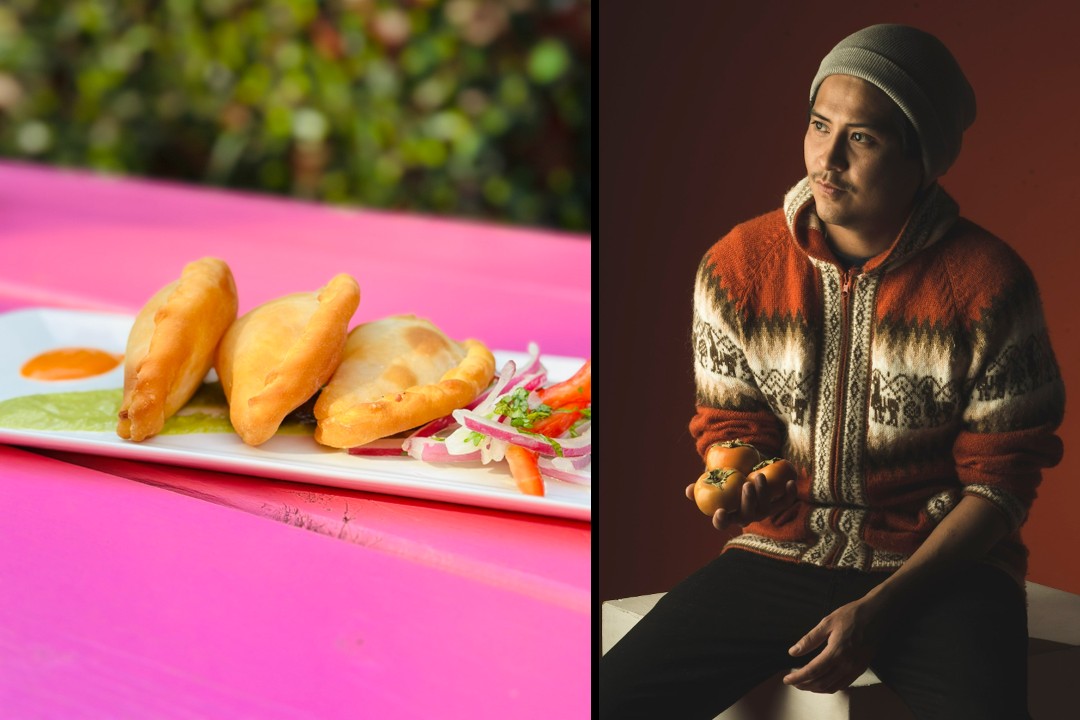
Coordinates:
895 389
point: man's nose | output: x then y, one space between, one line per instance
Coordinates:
834 154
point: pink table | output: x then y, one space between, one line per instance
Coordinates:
136 590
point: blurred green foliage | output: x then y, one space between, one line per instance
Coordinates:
476 108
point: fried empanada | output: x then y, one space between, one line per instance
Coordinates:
398 373
277 356
171 345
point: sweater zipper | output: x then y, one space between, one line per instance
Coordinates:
841 388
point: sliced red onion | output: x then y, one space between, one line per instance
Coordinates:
505 376
457 442
433 450
570 447
432 427
492 450
534 381
447 420
581 476
581 427
580 462
532 362
460 442
532 374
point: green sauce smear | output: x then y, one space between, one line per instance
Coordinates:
95 411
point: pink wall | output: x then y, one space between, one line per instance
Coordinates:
702 114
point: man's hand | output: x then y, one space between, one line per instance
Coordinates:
850 635
756 504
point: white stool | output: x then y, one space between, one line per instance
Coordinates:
1053 668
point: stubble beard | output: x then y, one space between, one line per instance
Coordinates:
832 212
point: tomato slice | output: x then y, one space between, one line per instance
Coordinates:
558 423
576 389
524 470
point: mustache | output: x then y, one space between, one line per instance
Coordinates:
825 177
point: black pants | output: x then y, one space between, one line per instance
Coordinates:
959 653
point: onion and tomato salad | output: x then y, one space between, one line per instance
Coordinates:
540 430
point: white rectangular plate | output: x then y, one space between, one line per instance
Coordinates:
299 458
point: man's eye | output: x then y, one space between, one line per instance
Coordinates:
818 125
860 137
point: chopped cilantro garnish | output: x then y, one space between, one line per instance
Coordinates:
586 416
515 407
475 438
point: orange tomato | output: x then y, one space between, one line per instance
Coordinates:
777 472
732 454
720 488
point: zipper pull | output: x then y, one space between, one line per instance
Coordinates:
849 280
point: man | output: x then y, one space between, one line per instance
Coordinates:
897 354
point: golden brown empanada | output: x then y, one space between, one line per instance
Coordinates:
171 345
398 373
277 356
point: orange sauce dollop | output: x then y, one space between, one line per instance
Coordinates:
69 364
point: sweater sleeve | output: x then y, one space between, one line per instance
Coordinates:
730 406
1015 402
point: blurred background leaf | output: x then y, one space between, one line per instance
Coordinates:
474 108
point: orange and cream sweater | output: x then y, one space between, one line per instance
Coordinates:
895 388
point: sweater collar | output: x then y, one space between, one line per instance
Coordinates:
934 214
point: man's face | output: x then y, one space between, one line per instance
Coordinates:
861 178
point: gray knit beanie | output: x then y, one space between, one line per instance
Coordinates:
921 76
